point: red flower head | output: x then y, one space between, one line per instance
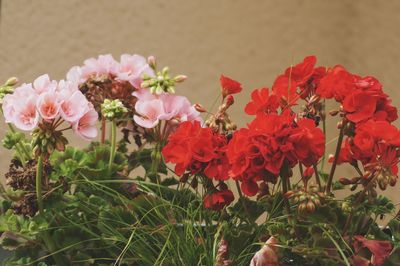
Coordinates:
302 72
359 106
197 149
285 89
262 101
218 200
308 142
229 86
337 83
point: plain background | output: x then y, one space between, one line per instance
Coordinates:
251 41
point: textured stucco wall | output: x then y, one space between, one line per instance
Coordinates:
251 41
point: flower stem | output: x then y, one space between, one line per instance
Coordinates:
46 237
103 130
336 158
113 144
39 177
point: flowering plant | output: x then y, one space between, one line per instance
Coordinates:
176 187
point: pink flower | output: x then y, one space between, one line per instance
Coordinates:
104 65
48 105
169 107
9 101
25 116
85 127
74 75
44 84
149 112
73 103
132 68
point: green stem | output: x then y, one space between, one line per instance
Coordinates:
336 158
113 147
46 237
39 177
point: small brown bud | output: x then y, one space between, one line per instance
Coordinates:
345 181
310 206
333 112
184 178
199 108
194 183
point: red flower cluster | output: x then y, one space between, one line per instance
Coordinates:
197 150
270 142
372 140
296 82
361 98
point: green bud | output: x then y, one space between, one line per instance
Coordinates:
11 81
113 109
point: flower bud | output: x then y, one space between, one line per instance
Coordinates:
11 81
151 60
199 108
229 100
333 112
180 78
345 181
310 206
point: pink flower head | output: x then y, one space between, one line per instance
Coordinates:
25 116
48 105
149 112
170 107
85 127
73 103
104 65
74 75
43 84
9 101
132 68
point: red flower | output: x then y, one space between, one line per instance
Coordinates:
337 83
380 249
302 72
229 86
262 101
285 89
359 106
218 200
308 142
308 172
196 149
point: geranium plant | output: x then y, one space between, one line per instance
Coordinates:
167 182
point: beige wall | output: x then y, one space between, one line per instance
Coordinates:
251 41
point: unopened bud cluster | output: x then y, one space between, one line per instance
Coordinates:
221 120
112 109
11 139
162 82
45 140
308 200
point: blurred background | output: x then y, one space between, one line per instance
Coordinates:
250 41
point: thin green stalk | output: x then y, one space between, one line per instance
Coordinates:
46 237
113 147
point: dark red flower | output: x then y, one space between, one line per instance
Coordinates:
229 86
380 249
262 101
218 200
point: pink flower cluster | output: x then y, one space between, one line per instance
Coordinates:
131 68
151 109
49 100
